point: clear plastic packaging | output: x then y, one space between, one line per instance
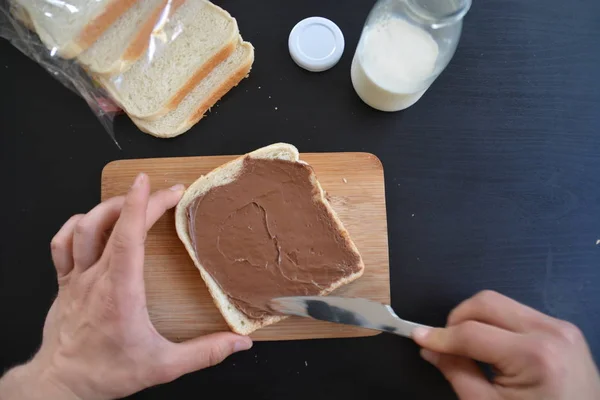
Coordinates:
17 29
142 57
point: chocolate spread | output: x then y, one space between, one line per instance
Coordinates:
265 236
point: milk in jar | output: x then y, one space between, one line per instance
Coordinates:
396 57
404 46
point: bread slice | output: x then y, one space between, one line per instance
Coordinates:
193 107
128 38
197 38
227 173
69 27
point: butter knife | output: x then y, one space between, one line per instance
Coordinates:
360 312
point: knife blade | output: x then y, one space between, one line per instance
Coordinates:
360 312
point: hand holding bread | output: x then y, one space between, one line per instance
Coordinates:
98 340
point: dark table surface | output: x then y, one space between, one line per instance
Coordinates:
493 182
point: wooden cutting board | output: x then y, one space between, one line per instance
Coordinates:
178 302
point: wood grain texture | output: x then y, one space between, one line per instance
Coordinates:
178 302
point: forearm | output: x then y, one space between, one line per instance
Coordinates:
31 382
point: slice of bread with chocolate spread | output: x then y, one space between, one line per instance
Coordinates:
260 227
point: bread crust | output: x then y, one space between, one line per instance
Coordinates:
140 42
201 74
89 34
233 80
92 31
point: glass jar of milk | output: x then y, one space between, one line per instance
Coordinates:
404 46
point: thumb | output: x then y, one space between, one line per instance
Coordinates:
205 351
464 375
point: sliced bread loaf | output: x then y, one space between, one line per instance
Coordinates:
195 39
128 38
193 107
228 173
69 27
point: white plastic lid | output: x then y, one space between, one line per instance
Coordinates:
316 44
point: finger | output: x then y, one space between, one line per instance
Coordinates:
203 352
61 247
471 339
89 239
162 201
464 375
90 233
126 243
495 309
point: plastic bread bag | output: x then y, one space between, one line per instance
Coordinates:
19 30
163 62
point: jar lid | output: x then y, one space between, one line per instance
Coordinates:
316 44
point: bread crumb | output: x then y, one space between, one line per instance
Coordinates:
345 180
